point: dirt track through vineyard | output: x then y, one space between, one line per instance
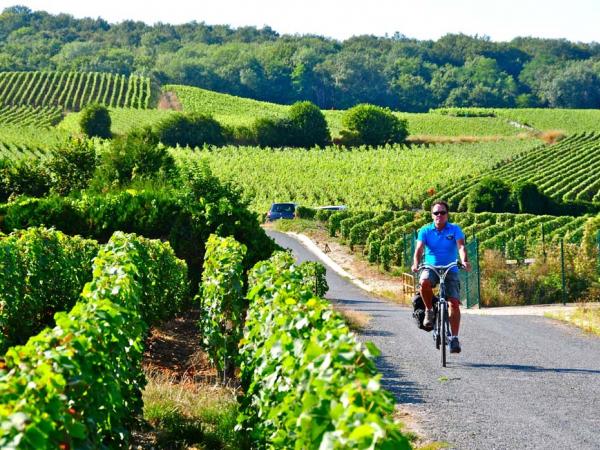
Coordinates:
520 382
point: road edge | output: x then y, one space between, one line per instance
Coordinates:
307 242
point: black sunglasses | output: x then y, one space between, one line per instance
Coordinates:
437 213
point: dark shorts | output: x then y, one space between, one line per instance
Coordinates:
452 283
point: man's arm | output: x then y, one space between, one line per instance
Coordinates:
417 256
462 252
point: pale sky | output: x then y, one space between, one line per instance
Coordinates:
501 20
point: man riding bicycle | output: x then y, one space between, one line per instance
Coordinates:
440 241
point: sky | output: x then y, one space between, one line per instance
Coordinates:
500 20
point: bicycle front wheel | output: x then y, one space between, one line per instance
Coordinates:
443 331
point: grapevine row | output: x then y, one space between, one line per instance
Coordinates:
387 238
74 90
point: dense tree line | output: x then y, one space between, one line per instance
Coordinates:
397 72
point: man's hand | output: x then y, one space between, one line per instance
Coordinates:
414 267
467 266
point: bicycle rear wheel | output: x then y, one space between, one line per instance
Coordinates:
443 331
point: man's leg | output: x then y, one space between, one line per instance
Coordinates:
453 288
427 293
454 316
427 285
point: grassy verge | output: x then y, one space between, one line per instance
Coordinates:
586 317
297 225
187 414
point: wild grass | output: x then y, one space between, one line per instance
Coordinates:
185 413
586 317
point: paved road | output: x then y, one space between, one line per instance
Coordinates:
520 382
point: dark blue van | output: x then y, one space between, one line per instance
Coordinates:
281 211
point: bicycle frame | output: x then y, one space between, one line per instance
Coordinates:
441 330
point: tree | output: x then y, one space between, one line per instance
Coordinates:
309 125
136 155
374 125
490 194
192 130
95 121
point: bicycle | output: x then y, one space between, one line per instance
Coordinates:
441 329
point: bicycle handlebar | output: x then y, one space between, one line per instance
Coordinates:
441 269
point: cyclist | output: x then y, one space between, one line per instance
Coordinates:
440 240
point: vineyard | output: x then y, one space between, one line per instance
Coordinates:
565 171
123 120
37 116
71 91
18 142
237 111
387 237
382 178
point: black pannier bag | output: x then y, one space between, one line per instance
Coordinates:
419 310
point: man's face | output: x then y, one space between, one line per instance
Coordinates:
440 215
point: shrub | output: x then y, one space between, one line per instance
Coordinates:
26 177
222 302
193 130
309 125
95 121
72 165
374 125
272 132
304 212
490 194
136 155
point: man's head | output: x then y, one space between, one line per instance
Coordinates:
439 213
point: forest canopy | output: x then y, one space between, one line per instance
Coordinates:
394 71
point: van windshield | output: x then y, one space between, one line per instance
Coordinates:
283 207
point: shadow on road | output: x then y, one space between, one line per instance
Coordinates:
395 382
522 368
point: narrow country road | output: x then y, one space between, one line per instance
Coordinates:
520 382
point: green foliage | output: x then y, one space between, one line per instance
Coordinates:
25 177
137 155
95 121
73 90
43 273
221 301
72 165
528 198
373 125
315 276
308 382
309 125
79 384
490 194
304 212
184 217
272 132
193 130
335 221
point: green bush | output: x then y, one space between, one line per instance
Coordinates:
95 121
26 177
43 272
374 125
183 217
79 384
490 194
307 381
272 132
222 303
193 130
134 156
304 212
72 165
309 126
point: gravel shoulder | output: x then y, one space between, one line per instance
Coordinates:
522 381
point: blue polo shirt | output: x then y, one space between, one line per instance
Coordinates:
440 246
